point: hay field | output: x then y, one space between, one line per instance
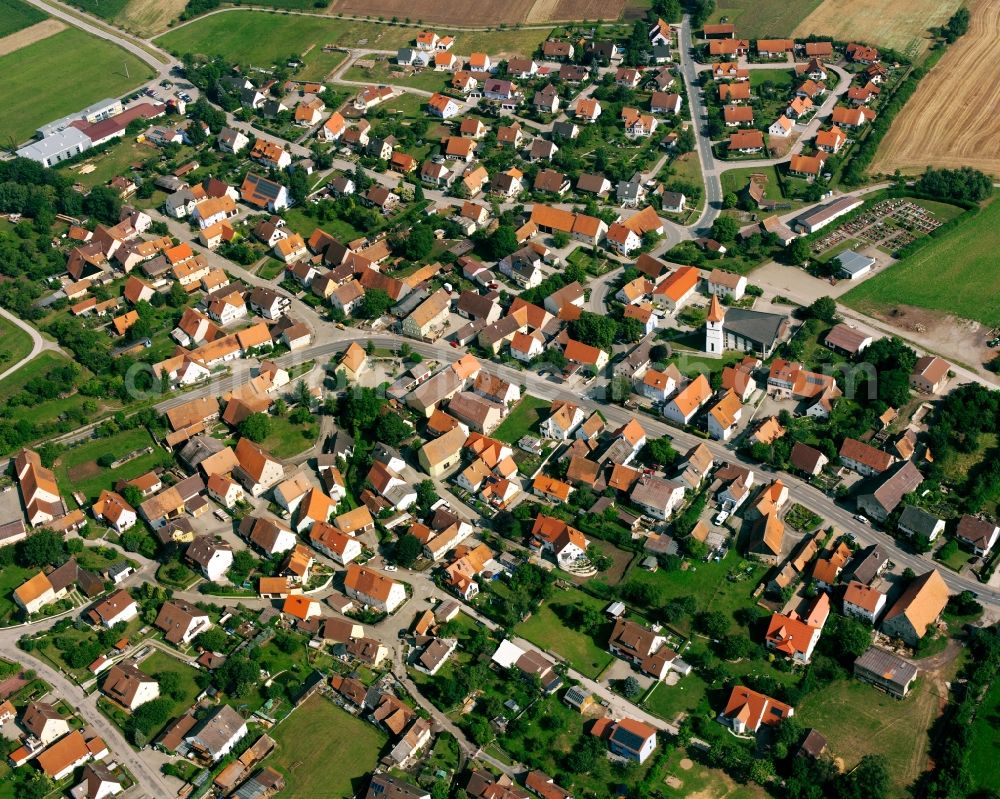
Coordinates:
25 36
149 17
951 120
899 24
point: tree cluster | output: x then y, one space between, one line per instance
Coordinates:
964 183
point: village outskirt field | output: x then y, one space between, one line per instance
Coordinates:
88 69
469 12
763 18
899 24
964 84
954 274
261 37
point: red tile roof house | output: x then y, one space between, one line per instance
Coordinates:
864 458
747 710
795 636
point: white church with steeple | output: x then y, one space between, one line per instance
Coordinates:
715 338
742 329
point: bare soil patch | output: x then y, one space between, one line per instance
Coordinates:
30 35
961 340
84 470
963 86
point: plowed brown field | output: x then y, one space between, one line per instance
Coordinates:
951 120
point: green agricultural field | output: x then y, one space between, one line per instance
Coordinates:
77 468
323 750
15 344
523 420
756 19
585 653
262 38
105 9
953 274
858 720
17 15
86 69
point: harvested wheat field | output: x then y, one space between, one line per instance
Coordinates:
951 119
148 17
899 24
30 35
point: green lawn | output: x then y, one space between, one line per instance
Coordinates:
85 69
703 782
114 161
953 556
77 468
160 663
736 180
724 586
287 439
407 104
36 369
323 750
666 701
271 269
952 274
10 578
985 747
523 420
586 654
756 19
303 224
859 720
15 344
382 72
16 15
779 77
